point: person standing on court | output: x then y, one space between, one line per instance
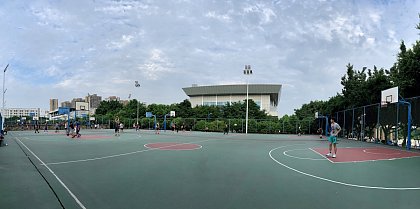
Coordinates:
335 129
117 126
226 130
157 128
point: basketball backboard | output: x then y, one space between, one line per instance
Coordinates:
82 106
316 115
172 114
389 96
149 114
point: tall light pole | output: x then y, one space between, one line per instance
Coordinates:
137 85
4 91
247 71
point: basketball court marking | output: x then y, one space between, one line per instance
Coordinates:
359 154
301 158
176 147
325 157
122 154
52 172
337 182
378 153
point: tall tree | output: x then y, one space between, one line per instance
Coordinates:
354 88
405 73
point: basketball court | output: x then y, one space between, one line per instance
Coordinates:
203 170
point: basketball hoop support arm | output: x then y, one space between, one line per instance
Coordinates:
402 101
326 123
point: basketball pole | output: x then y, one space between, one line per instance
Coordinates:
4 92
137 85
402 101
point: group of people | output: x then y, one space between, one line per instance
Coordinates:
37 126
73 129
118 126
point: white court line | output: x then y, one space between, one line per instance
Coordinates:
172 145
301 158
123 154
52 172
322 155
338 182
376 153
390 159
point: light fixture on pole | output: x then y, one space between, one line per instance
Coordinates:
247 71
4 92
137 85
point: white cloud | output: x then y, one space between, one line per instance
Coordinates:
221 17
124 41
49 16
156 66
265 13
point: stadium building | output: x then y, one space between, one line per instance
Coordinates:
266 96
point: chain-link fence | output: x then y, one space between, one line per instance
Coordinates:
265 126
388 125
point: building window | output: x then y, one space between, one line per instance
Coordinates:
209 103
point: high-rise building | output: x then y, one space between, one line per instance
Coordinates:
93 100
66 104
112 98
53 104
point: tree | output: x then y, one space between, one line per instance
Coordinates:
109 107
354 88
377 81
405 73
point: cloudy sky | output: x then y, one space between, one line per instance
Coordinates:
69 48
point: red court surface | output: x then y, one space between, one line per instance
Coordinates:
172 146
362 154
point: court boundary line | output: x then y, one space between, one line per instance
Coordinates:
163 148
52 172
338 182
363 161
122 154
390 159
374 153
322 155
300 158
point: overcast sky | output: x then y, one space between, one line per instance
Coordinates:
65 49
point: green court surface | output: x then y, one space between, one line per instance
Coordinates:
200 170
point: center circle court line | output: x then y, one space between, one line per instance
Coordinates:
122 154
378 153
337 182
300 158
